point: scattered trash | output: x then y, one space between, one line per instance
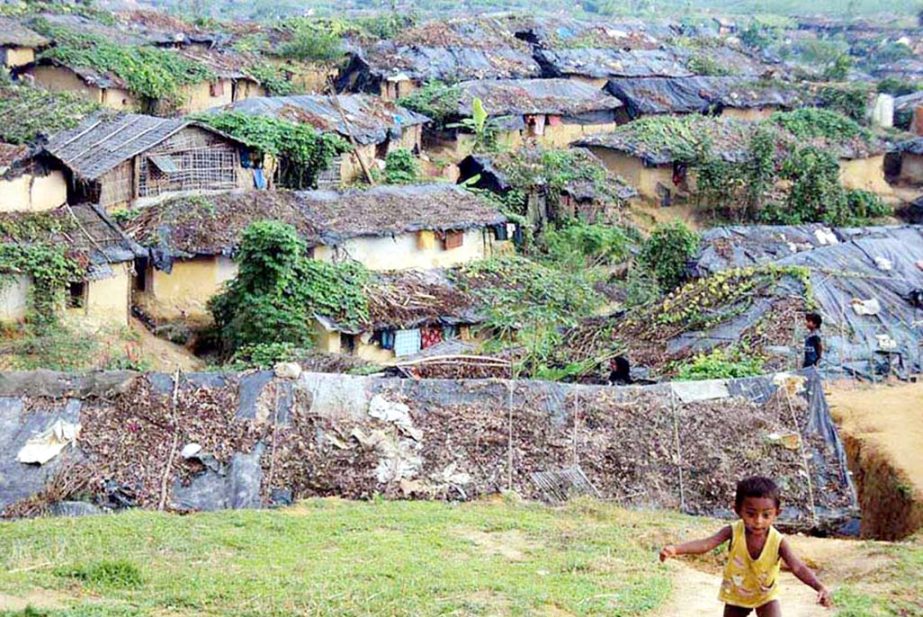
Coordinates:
826 237
884 264
792 441
48 444
395 413
190 450
885 342
287 370
866 307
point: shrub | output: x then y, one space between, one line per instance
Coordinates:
310 42
851 101
579 244
119 574
719 365
401 167
435 99
667 251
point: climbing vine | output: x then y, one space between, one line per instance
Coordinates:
50 271
150 73
437 100
38 111
301 151
272 79
279 290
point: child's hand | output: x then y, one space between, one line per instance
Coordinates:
823 597
666 552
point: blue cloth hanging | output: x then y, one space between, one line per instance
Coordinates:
259 180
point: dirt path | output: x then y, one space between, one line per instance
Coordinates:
164 355
695 594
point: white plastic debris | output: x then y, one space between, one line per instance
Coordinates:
825 236
394 413
883 264
885 342
866 307
190 450
693 391
48 444
287 370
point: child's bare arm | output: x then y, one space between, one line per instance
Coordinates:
805 574
696 547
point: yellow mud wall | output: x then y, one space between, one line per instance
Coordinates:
61 79
326 341
118 99
248 89
404 252
308 77
351 170
372 352
643 178
15 194
563 135
185 292
14 298
198 97
756 113
109 299
866 174
48 192
411 138
28 193
18 56
455 150
912 168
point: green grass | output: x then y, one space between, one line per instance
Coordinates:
895 591
330 557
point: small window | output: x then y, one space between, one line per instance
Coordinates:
77 295
347 343
140 278
454 239
216 88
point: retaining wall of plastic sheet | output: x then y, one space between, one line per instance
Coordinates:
215 441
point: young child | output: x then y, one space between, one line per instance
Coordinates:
752 571
813 347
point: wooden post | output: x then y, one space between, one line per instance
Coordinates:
349 132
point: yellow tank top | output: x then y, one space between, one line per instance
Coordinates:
748 582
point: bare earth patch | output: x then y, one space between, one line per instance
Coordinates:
38 598
511 544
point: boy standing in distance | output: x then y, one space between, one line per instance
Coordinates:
813 347
754 555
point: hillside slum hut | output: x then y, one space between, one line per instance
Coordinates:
127 160
412 314
104 88
656 163
552 112
597 66
733 97
593 194
905 164
165 30
192 241
18 44
231 81
654 154
377 126
406 227
560 32
449 51
867 283
103 297
30 181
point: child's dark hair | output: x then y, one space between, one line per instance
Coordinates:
757 486
815 319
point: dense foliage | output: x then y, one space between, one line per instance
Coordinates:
38 112
811 123
667 252
311 40
850 101
719 364
437 100
272 79
150 73
401 167
279 289
577 245
302 152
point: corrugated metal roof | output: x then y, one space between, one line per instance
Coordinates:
605 63
534 96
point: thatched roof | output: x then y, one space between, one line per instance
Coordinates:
371 119
85 231
561 32
413 298
9 154
14 34
161 28
667 95
103 141
214 224
224 63
391 210
659 140
534 96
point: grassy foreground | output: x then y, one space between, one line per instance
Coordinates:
331 557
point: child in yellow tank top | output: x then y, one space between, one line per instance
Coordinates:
756 551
